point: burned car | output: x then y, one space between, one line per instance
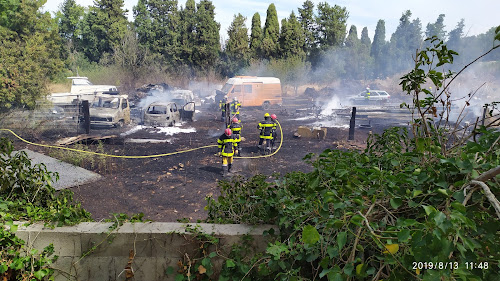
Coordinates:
110 109
167 114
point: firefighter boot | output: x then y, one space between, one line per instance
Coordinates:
229 166
225 171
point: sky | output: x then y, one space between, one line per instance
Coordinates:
479 15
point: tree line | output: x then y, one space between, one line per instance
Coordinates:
184 41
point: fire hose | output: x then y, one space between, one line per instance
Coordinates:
138 156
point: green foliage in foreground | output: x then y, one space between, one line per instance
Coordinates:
26 194
374 214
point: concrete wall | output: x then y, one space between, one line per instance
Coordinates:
91 251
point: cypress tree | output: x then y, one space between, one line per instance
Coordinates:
157 23
271 33
306 19
187 32
207 45
256 36
437 28
352 39
404 41
237 44
104 27
292 38
377 48
365 39
69 20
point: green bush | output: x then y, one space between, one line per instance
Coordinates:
419 206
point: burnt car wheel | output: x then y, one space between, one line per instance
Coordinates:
266 105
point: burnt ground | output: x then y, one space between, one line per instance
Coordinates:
174 187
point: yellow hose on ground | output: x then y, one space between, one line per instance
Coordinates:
139 156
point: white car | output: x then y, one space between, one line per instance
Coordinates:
374 96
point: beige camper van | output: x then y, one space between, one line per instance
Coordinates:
253 90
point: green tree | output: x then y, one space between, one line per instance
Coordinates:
307 20
271 34
352 39
157 23
358 63
69 18
437 28
30 49
377 50
237 48
365 39
207 44
292 38
104 27
404 42
256 36
132 59
143 21
455 36
188 27
331 25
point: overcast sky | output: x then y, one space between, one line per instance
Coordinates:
479 15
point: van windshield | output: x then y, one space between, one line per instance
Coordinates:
226 88
107 103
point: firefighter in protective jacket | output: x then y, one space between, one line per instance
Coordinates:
227 148
222 107
266 128
235 108
236 127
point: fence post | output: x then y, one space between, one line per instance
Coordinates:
86 116
352 124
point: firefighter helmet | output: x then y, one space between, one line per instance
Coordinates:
228 132
235 120
267 115
235 99
274 117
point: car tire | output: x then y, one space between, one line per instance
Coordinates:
266 105
120 124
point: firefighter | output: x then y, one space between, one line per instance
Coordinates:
236 127
266 127
274 118
235 108
222 107
367 94
227 148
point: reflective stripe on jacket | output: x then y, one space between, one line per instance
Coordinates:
226 145
266 128
236 129
235 107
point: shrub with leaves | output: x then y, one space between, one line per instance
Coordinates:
26 191
26 194
411 206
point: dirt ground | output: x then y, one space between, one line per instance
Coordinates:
174 187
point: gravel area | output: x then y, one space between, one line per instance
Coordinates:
69 175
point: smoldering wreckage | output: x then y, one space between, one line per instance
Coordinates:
171 137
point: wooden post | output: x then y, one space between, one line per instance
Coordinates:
228 114
86 116
352 124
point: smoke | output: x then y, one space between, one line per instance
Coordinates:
204 88
214 133
332 105
156 94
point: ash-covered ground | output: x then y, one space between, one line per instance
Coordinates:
175 187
